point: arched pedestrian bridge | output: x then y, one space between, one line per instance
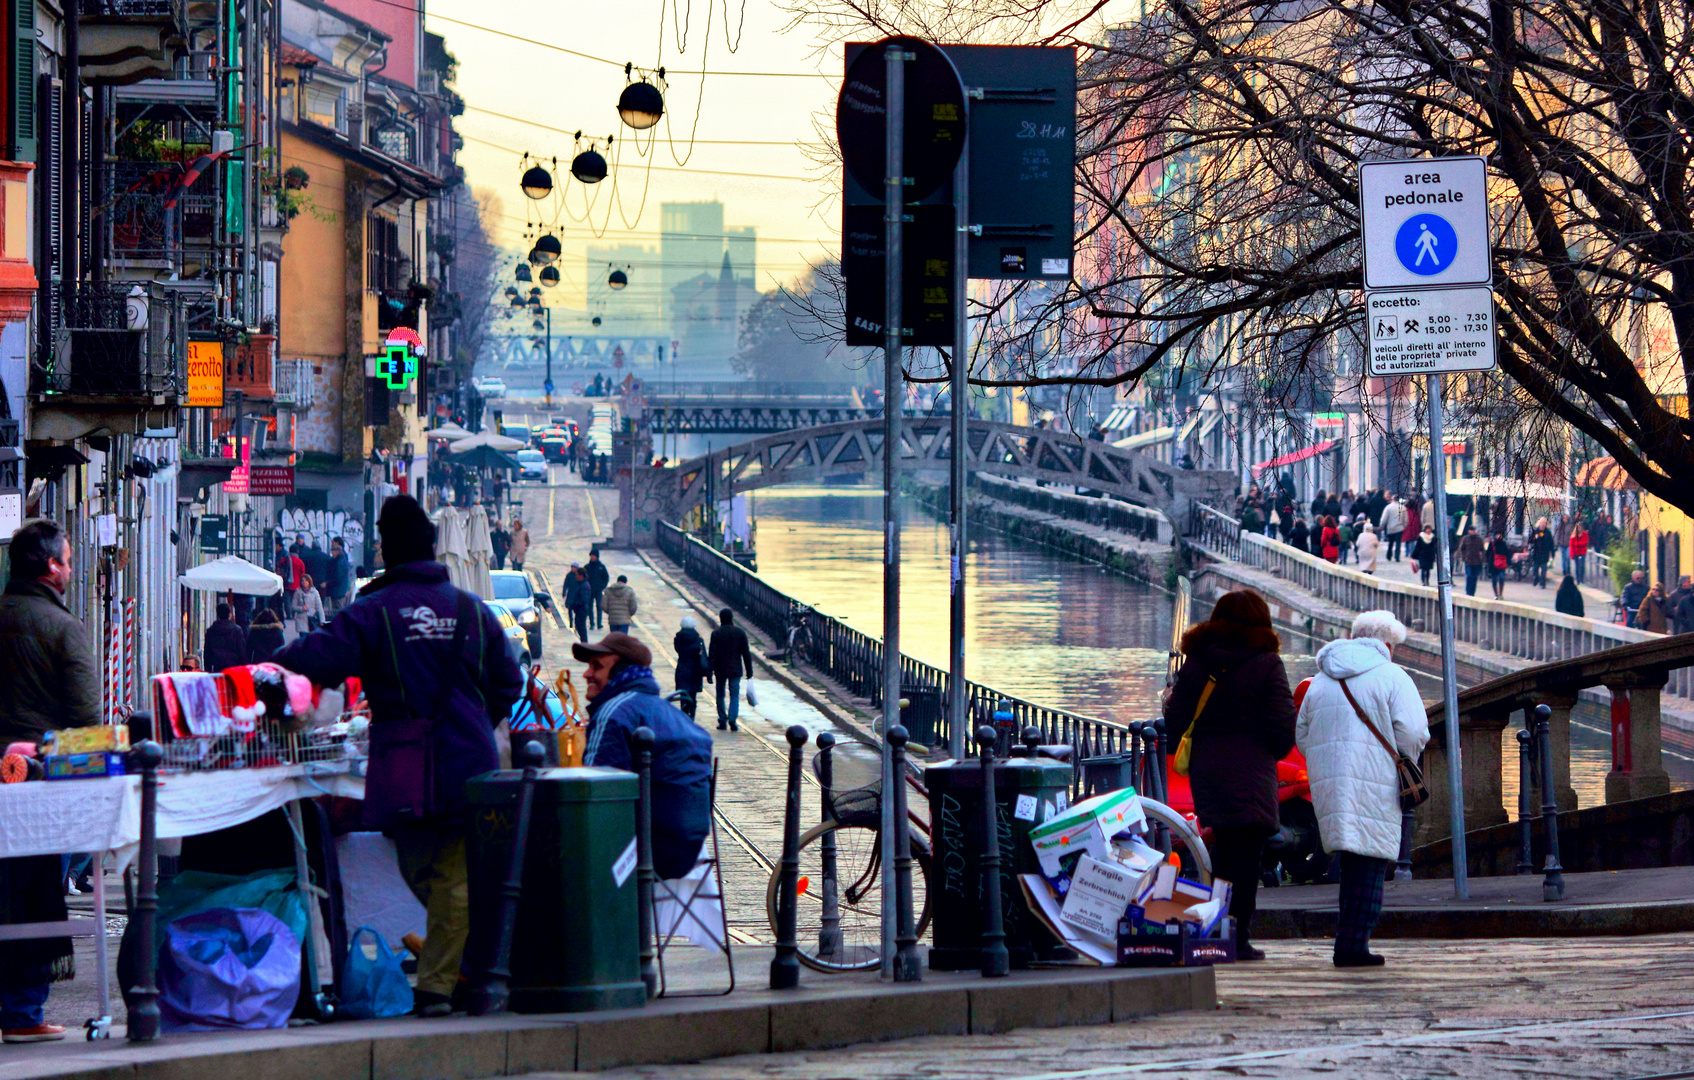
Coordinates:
807 455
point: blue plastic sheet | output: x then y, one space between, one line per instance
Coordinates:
228 968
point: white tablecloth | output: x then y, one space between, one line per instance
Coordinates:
105 815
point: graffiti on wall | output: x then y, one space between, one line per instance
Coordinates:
322 525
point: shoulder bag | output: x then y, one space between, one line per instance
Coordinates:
1185 748
1413 791
400 775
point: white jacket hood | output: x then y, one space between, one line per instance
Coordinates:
1348 657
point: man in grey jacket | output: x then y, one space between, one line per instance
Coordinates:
51 683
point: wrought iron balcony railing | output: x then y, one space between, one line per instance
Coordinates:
116 340
130 198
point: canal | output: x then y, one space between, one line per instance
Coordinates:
1042 626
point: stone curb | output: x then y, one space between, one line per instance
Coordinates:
1492 921
669 1031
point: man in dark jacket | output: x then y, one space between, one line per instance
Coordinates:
1245 727
598 578
691 669
729 655
1472 549
579 600
623 696
399 637
226 642
51 683
340 575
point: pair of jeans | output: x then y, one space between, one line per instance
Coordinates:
432 860
1393 549
597 611
729 690
1472 573
1578 563
23 996
620 628
1360 902
1237 857
579 622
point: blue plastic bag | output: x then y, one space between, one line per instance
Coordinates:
228 968
372 984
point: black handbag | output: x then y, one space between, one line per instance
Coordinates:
1414 792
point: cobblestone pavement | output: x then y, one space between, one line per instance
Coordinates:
1614 1008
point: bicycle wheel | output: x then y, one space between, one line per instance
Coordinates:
854 942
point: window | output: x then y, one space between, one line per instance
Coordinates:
385 273
326 105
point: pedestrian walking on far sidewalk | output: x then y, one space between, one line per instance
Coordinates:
51 683
1472 552
729 655
1367 544
1568 600
1541 548
1578 548
1654 613
598 578
1423 553
692 671
620 605
578 599
1355 784
519 549
1238 731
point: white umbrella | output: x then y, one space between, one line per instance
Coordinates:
450 546
481 554
488 439
447 431
232 573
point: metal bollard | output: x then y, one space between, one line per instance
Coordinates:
908 967
1155 732
493 995
1553 886
785 965
641 741
829 890
1408 827
1526 803
1136 780
996 961
143 1019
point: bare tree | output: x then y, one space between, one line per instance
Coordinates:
1218 220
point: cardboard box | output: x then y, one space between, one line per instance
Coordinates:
1086 828
84 766
1179 945
87 740
1100 893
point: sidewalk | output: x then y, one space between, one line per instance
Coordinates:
1596 601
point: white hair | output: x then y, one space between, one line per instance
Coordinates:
688 622
1382 625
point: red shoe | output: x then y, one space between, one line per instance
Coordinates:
38 1033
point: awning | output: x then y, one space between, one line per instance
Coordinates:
1504 487
1605 472
1146 438
1121 418
1298 455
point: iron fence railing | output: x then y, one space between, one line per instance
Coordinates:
130 199
114 339
854 659
1520 630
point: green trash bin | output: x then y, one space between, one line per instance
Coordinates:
577 945
1026 792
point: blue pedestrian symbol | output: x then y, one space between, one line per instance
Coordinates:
1426 244
548 387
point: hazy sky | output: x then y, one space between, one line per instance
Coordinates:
791 202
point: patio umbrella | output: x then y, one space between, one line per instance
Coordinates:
483 457
447 431
450 546
488 439
232 573
481 551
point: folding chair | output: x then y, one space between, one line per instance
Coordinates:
684 907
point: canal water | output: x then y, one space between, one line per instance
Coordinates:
1042 626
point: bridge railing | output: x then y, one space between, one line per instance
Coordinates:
1520 630
853 658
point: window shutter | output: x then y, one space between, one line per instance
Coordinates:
22 82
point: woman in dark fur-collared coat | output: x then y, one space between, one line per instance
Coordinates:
1246 727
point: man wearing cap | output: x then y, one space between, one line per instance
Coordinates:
426 652
623 695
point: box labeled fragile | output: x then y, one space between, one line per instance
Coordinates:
99 738
84 766
1086 828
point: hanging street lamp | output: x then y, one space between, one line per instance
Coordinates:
641 104
617 279
550 276
537 183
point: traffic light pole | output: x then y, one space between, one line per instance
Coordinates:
894 99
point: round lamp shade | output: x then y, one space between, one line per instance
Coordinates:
510 291
547 249
539 325
596 320
589 167
549 276
641 105
523 272
617 279
537 183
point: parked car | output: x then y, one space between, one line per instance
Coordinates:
517 640
531 465
514 593
491 387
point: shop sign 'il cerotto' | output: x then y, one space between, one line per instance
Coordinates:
206 374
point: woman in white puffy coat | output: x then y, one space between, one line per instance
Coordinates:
1355 786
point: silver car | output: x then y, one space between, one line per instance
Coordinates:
514 593
517 642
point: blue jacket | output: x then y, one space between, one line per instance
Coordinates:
682 763
396 637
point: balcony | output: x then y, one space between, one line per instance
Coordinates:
113 345
293 385
140 227
127 40
250 367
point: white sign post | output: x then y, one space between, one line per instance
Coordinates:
1428 272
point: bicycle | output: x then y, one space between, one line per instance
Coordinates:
798 636
839 926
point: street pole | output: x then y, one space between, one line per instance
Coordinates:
1449 662
893 319
549 356
958 702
